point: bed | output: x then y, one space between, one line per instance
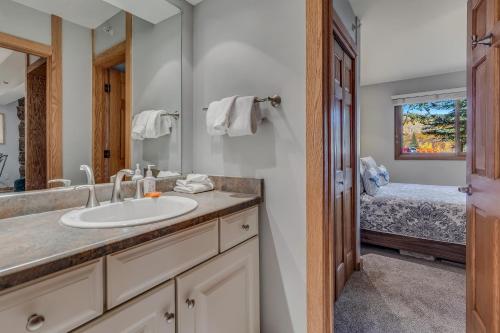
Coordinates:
426 219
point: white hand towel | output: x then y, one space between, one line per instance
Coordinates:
218 115
166 174
139 125
194 183
193 188
245 118
159 124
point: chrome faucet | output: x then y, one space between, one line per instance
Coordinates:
92 199
117 188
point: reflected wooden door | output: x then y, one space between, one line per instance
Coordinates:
483 167
116 123
342 194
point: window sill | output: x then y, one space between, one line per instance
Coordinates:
431 157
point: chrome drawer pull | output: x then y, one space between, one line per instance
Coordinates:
35 322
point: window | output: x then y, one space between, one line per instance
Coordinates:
431 126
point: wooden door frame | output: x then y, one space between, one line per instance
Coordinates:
53 54
120 53
321 21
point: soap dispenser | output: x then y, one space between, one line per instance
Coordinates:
138 173
149 181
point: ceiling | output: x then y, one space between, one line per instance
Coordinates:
403 39
93 13
12 75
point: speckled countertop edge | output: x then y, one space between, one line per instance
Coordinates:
15 275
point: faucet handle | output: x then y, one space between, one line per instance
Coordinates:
92 199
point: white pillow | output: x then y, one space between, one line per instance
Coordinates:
383 175
368 162
371 181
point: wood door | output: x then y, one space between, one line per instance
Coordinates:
342 194
36 127
221 296
153 312
483 168
116 123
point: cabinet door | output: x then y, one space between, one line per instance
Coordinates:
222 295
154 312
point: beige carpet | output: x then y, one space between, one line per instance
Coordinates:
395 294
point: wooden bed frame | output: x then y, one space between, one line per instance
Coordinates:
441 250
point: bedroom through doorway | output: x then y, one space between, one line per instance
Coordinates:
412 108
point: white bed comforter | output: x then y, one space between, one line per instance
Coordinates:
421 211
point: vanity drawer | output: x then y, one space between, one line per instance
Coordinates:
134 271
237 228
56 304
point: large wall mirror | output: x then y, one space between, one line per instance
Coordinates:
93 83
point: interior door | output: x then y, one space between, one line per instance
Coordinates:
116 123
483 167
341 131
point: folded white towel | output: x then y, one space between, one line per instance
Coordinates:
139 125
245 118
194 183
193 188
218 115
165 174
151 124
159 124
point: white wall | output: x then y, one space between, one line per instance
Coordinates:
77 100
11 146
258 48
104 40
347 16
24 22
157 77
377 131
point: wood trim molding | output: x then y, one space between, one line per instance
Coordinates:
319 275
344 36
54 110
111 56
128 91
18 44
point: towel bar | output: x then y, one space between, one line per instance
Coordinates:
274 100
175 114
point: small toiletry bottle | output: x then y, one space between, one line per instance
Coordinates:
138 173
149 181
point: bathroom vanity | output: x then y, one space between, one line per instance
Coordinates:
195 273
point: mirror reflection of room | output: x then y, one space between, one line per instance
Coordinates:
106 114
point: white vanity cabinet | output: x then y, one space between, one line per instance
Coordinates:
222 295
203 279
153 312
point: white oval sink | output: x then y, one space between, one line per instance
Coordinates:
129 213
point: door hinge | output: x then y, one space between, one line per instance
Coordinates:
107 88
107 153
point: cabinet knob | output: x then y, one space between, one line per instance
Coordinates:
190 303
245 227
35 322
169 317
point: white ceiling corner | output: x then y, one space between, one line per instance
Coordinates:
404 39
87 13
153 11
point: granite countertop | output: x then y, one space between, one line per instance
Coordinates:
34 246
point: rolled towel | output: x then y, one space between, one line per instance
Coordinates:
166 174
218 115
245 118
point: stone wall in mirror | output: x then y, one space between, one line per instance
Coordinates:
94 83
